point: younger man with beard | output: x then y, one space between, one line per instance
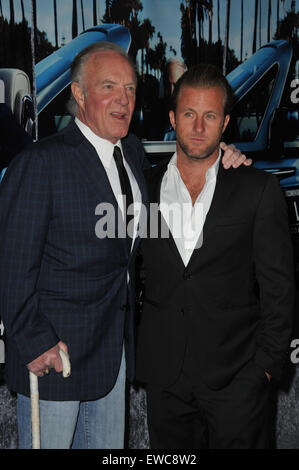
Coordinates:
217 311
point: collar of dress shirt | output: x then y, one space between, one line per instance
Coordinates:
210 174
103 147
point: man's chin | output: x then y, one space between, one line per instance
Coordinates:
119 130
204 154
120 135
197 152
199 157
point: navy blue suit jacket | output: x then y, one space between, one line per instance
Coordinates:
58 280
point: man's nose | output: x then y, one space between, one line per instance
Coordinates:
122 96
199 124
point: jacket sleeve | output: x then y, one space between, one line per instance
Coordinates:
25 211
273 258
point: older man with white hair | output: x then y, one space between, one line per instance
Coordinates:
61 285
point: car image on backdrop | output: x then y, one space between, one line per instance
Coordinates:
264 122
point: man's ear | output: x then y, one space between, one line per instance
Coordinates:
225 123
78 94
172 118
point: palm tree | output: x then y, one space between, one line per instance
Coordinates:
95 18
82 12
134 6
284 7
23 12
108 11
197 9
209 11
278 21
55 23
147 31
255 26
12 12
74 20
269 20
160 50
288 26
218 19
34 29
34 16
172 50
193 14
33 40
187 11
242 29
24 30
123 12
185 37
277 10
225 52
260 24
192 8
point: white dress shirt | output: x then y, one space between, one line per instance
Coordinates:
185 220
105 149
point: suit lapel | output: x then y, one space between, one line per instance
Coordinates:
223 192
154 192
131 157
92 169
129 154
90 164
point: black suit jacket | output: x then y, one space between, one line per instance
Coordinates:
234 301
58 280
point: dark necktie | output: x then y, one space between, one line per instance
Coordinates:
125 189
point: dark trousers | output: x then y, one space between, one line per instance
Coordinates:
188 415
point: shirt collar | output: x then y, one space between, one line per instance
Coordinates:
103 147
211 172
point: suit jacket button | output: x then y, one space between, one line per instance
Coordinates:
187 276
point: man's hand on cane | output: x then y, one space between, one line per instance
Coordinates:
48 360
56 358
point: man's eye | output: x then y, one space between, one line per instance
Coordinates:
211 116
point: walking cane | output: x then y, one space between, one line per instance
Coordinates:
34 398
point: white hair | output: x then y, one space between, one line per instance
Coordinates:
78 65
